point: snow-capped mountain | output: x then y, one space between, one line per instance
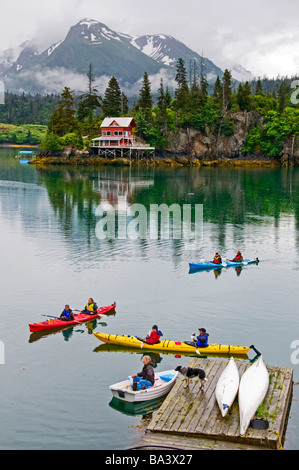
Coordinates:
127 58
241 74
167 50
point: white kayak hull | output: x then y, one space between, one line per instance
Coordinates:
227 387
254 385
124 391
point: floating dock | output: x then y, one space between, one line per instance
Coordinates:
190 419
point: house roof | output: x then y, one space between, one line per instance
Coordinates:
121 121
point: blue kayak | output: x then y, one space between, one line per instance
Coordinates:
224 264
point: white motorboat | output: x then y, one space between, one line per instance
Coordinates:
227 387
252 391
164 381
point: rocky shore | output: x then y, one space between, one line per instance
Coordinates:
189 147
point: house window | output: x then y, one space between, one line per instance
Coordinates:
118 133
106 133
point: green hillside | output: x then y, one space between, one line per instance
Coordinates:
25 134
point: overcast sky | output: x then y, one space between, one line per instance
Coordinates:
262 35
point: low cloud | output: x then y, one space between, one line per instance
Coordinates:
47 81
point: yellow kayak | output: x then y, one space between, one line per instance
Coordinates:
169 345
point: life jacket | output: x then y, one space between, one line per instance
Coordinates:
66 313
90 307
217 260
238 258
154 337
202 340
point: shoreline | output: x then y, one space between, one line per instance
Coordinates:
173 161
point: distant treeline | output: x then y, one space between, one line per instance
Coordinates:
27 109
192 104
37 109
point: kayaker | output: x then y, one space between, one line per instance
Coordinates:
67 314
217 259
154 336
145 378
201 340
238 257
91 307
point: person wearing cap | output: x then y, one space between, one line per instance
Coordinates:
154 336
202 339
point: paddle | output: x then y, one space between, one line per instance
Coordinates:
51 316
255 350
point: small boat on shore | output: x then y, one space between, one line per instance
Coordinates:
206 265
81 317
169 345
164 381
227 387
252 391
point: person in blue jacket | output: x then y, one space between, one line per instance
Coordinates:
202 339
67 314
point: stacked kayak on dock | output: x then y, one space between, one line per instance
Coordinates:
251 390
254 385
169 345
81 317
205 265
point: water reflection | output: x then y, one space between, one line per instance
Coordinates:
68 331
234 201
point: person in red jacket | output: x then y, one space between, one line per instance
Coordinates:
238 257
154 336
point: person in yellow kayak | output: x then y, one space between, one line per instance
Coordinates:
67 314
91 307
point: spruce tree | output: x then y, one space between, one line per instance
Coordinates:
162 105
112 101
182 91
145 101
63 119
259 87
218 91
227 89
244 98
124 104
89 101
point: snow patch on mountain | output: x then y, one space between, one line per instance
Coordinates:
240 73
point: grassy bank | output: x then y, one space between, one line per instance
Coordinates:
24 134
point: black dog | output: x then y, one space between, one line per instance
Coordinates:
190 373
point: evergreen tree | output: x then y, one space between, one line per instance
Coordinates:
227 89
90 101
63 119
145 101
162 105
203 85
112 102
244 98
259 87
182 91
168 98
282 98
218 91
124 104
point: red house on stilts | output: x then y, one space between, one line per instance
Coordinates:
116 132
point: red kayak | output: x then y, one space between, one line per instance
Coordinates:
79 318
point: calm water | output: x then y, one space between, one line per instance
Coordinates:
54 389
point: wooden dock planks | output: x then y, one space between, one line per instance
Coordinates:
190 415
